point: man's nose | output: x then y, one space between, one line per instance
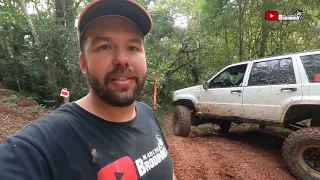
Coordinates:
121 58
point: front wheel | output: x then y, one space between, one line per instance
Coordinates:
181 121
301 153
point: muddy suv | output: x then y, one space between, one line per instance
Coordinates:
282 91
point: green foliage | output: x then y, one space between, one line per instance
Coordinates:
13 99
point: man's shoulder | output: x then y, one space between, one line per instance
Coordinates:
144 106
58 117
46 127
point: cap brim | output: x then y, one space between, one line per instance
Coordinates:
126 8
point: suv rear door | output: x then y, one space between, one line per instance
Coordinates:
309 66
273 83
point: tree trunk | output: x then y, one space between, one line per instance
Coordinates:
229 59
240 32
59 12
71 8
264 30
29 21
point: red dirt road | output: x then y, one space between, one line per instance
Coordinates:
245 153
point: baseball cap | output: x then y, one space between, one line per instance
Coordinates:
129 9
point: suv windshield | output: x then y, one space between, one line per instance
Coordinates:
232 76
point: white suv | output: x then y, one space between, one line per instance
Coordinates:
272 91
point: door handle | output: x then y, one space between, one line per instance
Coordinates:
289 89
236 91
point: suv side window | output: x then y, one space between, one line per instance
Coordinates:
273 72
230 77
311 64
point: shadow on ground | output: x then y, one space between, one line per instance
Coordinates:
265 139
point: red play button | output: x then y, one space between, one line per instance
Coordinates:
271 15
121 169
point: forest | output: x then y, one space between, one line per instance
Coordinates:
190 41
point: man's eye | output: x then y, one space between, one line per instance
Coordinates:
105 47
132 48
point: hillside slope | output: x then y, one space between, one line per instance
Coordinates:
16 111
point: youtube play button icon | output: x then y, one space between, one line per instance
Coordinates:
271 15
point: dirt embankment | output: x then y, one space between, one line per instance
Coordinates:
16 111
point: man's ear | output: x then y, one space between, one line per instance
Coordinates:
83 64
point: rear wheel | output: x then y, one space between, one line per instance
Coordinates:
301 153
181 121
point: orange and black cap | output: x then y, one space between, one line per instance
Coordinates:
126 8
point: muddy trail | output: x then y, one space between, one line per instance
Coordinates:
246 152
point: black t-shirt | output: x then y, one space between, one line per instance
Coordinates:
73 144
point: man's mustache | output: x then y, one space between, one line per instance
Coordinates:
117 71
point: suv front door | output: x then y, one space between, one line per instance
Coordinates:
272 85
223 95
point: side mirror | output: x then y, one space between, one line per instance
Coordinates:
205 85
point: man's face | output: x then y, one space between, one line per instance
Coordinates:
113 60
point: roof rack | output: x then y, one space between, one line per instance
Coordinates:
276 55
287 53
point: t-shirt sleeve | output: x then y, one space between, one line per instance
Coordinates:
20 160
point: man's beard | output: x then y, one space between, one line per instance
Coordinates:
121 98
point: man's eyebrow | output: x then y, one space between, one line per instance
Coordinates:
97 39
135 40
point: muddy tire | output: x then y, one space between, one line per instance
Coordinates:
181 121
301 153
224 127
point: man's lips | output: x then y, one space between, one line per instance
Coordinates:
122 78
